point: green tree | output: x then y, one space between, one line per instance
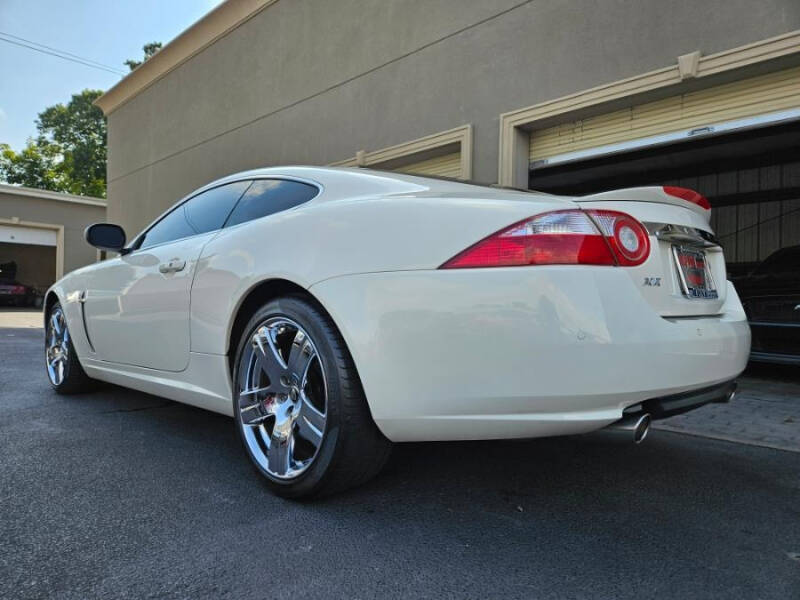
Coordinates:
69 152
78 132
33 166
149 50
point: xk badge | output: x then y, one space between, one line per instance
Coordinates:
652 281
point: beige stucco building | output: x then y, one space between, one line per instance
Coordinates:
571 96
42 232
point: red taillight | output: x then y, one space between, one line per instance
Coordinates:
627 237
18 289
564 237
688 195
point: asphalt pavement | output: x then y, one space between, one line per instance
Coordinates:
118 494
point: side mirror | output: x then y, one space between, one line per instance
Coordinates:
105 236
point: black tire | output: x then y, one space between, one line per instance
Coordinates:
75 380
352 449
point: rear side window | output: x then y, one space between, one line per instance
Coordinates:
269 196
203 213
208 211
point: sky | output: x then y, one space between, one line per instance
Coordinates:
105 31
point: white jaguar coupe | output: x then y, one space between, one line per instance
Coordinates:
335 311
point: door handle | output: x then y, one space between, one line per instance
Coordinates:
173 266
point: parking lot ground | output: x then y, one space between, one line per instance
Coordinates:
20 317
118 494
765 412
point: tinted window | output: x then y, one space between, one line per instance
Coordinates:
172 227
208 211
783 261
269 196
201 214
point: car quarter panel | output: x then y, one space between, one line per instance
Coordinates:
314 242
521 352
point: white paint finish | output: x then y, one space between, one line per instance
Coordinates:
653 195
20 234
521 352
139 316
204 383
652 205
457 354
365 221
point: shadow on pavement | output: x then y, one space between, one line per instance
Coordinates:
125 494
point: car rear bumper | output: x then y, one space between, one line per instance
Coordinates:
522 352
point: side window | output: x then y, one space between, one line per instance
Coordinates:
201 214
172 227
208 211
269 196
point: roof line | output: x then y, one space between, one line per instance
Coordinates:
18 190
199 36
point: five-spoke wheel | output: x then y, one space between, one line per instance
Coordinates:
64 370
56 346
299 405
282 402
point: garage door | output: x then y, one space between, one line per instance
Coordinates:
756 101
448 165
18 234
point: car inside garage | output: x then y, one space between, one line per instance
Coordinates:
738 144
27 263
41 239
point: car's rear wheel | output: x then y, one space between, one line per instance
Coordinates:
64 370
299 405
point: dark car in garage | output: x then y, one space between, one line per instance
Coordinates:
771 297
14 293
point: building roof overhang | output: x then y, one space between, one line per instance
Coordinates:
216 24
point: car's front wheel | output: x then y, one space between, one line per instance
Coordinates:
299 405
64 370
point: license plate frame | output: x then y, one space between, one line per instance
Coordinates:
694 274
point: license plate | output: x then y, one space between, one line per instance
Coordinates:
694 273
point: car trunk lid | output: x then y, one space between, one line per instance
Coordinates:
684 275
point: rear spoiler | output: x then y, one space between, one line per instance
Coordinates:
677 196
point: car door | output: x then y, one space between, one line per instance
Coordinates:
137 305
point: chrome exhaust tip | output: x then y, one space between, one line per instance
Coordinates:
731 393
640 428
628 429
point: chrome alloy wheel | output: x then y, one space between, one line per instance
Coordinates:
282 401
57 346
